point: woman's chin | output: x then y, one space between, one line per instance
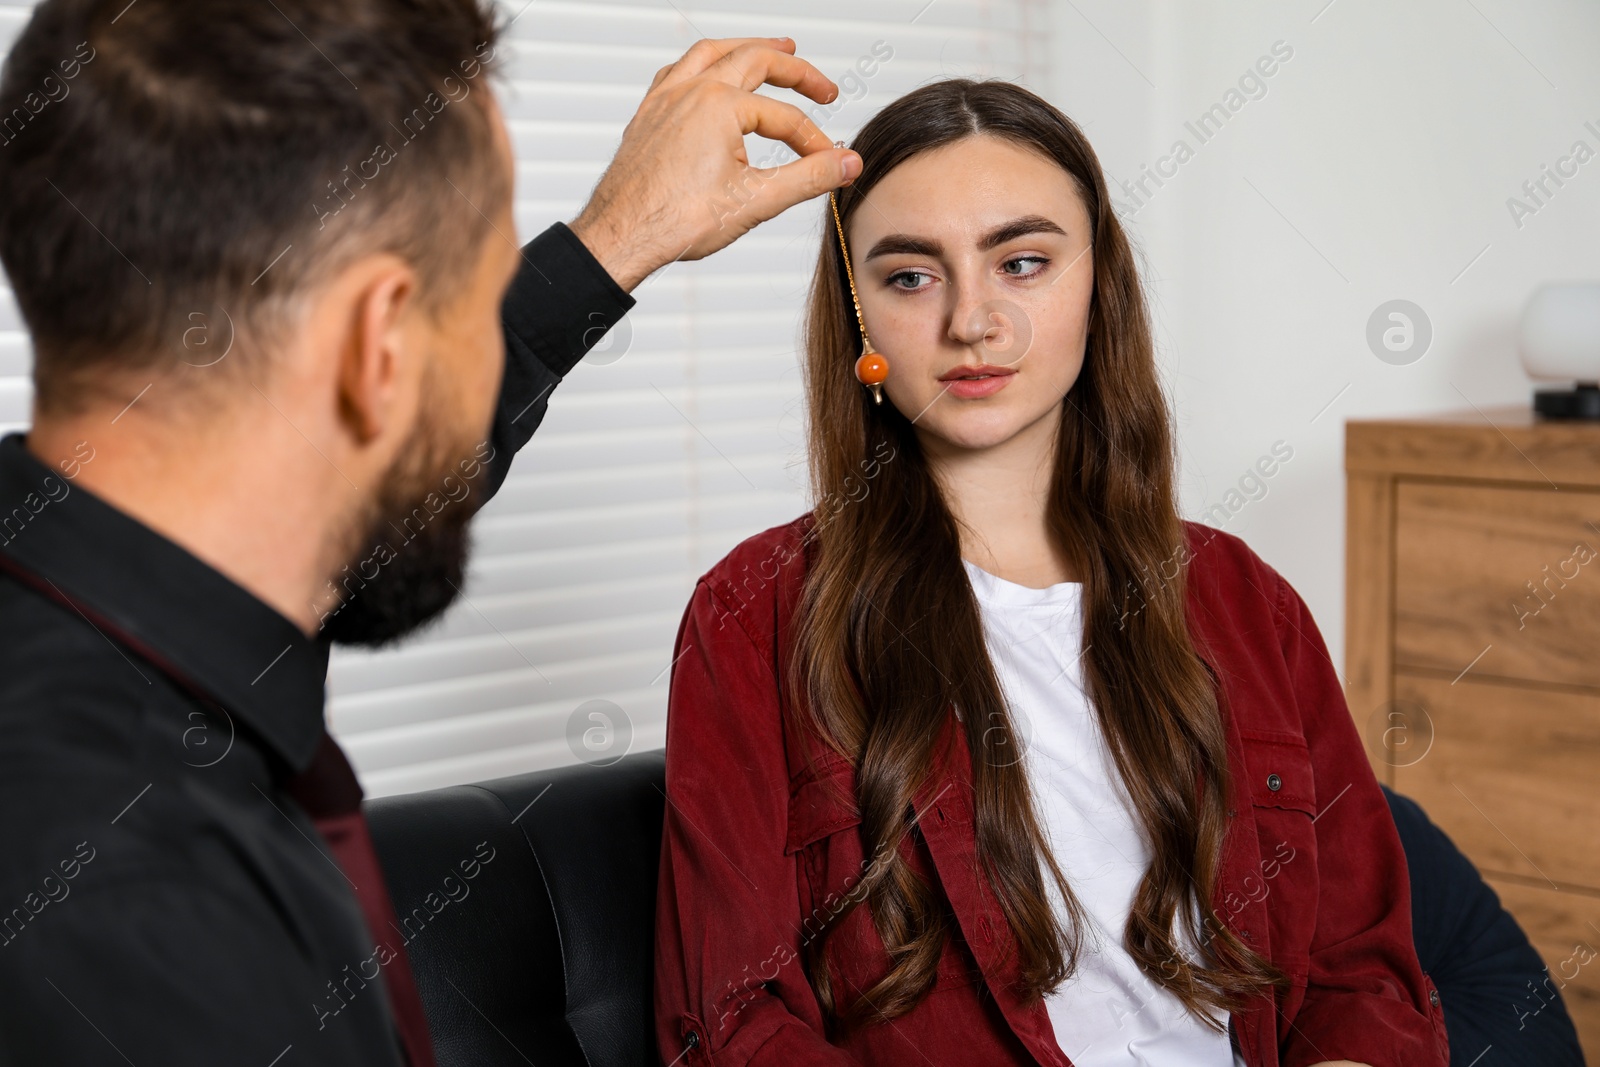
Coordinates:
970 430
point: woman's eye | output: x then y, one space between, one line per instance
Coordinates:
1013 266
908 279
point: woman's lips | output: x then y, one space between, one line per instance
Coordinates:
970 383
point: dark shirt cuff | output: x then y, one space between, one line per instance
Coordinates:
562 301
560 304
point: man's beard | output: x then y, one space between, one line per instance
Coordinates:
411 560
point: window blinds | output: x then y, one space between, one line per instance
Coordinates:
678 437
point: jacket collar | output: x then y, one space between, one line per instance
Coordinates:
151 595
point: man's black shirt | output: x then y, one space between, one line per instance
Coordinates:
162 900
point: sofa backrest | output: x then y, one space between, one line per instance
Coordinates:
528 908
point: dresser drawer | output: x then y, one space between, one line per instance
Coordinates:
1504 579
1565 928
1510 775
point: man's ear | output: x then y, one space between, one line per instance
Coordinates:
374 359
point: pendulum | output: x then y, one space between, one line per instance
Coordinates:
872 369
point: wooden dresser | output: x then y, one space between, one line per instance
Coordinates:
1472 657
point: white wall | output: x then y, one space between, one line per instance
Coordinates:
1377 165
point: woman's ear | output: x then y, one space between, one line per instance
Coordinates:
375 362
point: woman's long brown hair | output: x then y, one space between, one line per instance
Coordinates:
888 635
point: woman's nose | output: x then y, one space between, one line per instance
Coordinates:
969 323
998 328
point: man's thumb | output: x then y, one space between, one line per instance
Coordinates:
806 177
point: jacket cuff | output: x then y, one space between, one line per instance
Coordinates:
1366 1028
562 301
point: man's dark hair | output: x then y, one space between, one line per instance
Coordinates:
166 164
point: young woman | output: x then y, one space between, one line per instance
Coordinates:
990 759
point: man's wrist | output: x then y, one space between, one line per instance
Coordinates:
616 252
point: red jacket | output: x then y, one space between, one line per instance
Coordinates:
758 850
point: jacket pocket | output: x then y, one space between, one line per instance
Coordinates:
1282 790
824 846
823 802
1278 771
831 863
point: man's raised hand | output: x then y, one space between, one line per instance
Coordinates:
681 185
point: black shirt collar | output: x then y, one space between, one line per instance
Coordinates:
222 639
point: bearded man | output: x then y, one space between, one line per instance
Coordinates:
285 345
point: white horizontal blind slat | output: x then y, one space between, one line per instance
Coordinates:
650 465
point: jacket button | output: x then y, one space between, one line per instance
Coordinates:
1433 997
691 1042
1274 783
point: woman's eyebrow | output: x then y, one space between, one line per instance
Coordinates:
1019 227
904 244
908 244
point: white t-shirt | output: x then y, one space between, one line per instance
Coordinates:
1109 1013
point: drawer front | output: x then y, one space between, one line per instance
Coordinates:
1510 775
1506 580
1565 928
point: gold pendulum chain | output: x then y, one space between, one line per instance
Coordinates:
866 344
871 367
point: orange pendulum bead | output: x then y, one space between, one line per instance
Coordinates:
872 369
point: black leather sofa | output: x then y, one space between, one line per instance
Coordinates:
543 956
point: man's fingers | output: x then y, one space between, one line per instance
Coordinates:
779 121
709 50
692 109
751 65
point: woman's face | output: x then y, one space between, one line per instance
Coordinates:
974 258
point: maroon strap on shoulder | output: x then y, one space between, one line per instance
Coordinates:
328 792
